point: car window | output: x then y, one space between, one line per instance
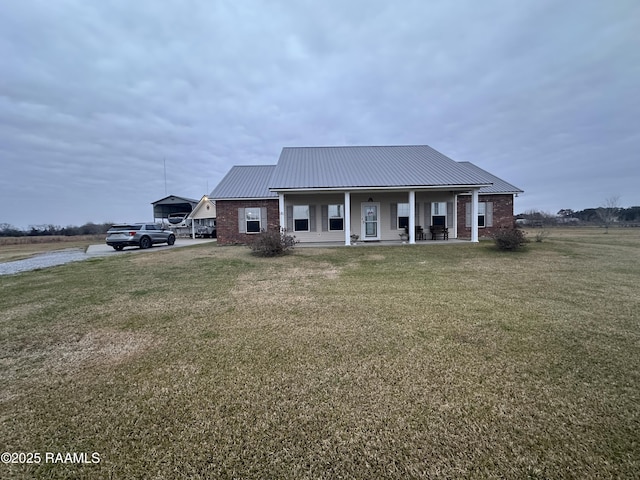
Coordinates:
151 227
125 227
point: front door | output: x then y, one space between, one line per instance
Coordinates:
370 221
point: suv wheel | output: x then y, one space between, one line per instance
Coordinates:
118 248
171 240
145 242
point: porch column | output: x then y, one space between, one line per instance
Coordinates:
474 216
281 210
455 215
347 218
412 217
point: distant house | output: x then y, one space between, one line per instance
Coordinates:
328 194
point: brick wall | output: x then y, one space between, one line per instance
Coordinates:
502 214
227 219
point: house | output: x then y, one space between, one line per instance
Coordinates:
203 218
328 194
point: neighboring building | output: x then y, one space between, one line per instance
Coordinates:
202 218
328 194
172 205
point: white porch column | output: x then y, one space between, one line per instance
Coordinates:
347 218
412 217
455 215
474 216
281 210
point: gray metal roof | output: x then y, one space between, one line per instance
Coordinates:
369 166
175 199
245 181
499 185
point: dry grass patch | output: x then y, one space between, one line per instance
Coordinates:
272 285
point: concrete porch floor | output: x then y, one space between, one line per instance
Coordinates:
384 243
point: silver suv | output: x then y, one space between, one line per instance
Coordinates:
141 235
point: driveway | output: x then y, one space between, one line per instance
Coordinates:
60 257
103 249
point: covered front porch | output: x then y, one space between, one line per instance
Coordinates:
382 215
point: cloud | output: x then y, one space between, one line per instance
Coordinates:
97 97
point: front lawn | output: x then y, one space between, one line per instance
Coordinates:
425 361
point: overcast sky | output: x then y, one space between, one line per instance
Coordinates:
97 96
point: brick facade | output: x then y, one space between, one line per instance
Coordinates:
228 232
502 215
227 219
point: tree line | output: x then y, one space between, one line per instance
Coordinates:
605 215
90 228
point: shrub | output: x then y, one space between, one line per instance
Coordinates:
541 235
510 239
272 242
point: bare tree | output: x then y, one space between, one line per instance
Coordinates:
608 213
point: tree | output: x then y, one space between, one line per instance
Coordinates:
608 213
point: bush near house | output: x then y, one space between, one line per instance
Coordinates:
510 239
272 243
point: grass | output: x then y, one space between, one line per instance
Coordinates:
426 361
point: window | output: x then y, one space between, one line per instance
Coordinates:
482 209
252 217
485 214
336 217
403 215
301 218
439 213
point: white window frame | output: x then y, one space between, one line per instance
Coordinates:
298 215
482 214
439 209
249 214
339 216
401 208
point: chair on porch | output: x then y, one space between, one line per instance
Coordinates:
419 233
439 230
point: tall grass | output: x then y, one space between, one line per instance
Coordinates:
426 361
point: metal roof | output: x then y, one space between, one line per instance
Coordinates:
369 166
169 199
498 185
245 181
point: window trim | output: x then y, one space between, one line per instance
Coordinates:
482 206
435 212
341 217
398 216
307 218
259 220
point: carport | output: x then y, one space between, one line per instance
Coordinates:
172 204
